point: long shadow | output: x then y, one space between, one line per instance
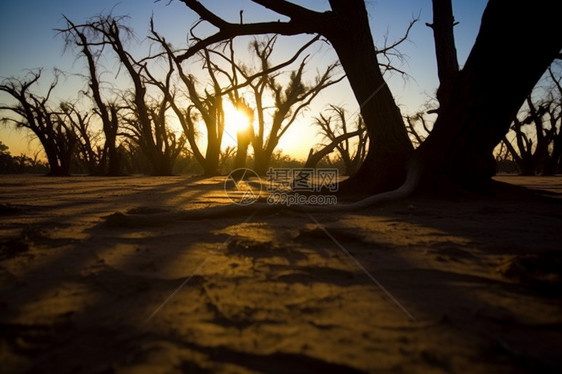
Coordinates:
449 296
72 341
63 335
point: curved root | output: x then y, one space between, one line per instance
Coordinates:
133 220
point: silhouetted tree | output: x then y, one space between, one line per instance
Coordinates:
32 111
162 146
346 26
504 160
290 100
146 118
205 106
336 130
553 110
245 136
86 39
418 126
445 49
536 147
87 153
488 92
484 95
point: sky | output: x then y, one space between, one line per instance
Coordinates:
28 40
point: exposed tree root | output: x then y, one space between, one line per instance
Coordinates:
144 217
412 181
135 220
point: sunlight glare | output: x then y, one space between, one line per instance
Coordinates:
235 120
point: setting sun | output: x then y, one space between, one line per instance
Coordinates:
235 120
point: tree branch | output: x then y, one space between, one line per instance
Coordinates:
301 23
206 14
234 30
288 9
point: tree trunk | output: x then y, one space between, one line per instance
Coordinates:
389 148
114 160
445 50
243 139
212 154
262 161
56 169
490 89
163 166
516 43
315 157
241 155
552 166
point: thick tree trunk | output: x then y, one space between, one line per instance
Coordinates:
241 155
262 161
114 160
445 50
389 148
243 139
55 167
516 44
165 167
114 156
54 156
552 166
211 163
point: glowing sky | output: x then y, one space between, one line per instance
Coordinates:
28 40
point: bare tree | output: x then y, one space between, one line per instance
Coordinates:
337 131
32 111
346 27
289 100
471 121
208 107
245 136
87 152
263 81
86 38
523 158
146 119
418 126
554 111
161 146
205 105
537 133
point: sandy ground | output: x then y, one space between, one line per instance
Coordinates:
420 285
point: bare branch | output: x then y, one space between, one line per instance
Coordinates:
206 14
288 9
388 48
249 79
301 22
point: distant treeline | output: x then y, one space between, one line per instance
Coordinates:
134 162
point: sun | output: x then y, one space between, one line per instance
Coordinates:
234 120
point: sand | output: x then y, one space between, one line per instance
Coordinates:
464 285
